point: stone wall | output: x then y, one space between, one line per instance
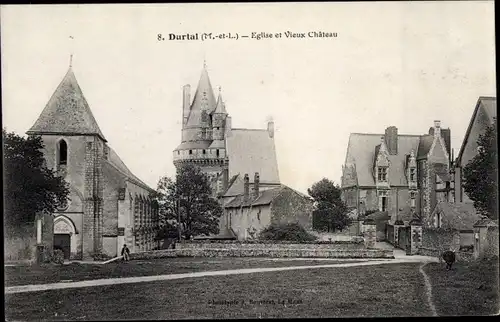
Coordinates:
257 246
460 256
291 207
492 239
276 252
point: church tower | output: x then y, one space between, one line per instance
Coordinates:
203 131
74 147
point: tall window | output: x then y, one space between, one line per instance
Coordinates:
412 199
413 174
63 152
382 174
383 200
217 152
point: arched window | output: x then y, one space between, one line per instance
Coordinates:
63 152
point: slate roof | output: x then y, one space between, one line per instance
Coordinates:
204 89
489 107
67 111
424 146
220 108
265 197
118 164
251 151
362 148
194 145
458 216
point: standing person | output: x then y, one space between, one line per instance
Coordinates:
125 253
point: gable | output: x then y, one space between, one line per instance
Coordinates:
67 112
251 151
437 153
362 150
483 115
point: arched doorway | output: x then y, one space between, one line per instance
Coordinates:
64 236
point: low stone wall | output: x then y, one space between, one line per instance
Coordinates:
259 246
268 252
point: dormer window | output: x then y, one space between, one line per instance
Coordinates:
217 152
413 174
204 152
382 174
190 151
62 152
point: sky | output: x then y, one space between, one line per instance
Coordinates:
397 63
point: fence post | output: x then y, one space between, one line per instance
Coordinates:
415 236
370 233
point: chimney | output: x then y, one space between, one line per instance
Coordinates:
270 128
225 179
437 128
391 140
228 126
256 183
246 186
186 101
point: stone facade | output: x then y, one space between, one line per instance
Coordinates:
483 116
246 215
403 175
96 219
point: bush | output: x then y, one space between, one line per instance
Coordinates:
58 257
290 232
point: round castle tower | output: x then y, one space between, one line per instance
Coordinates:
204 126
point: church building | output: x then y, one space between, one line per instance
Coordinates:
232 157
108 206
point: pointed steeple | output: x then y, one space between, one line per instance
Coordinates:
67 111
203 99
220 108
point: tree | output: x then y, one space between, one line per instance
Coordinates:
330 211
481 174
29 186
189 197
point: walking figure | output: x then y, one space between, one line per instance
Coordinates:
125 253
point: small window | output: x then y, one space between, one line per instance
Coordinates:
204 152
217 128
190 151
413 173
63 152
217 152
178 152
382 174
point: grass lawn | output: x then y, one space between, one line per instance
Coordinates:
22 275
468 289
369 291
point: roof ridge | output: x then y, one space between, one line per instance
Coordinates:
383 134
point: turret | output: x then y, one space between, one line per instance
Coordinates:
219 119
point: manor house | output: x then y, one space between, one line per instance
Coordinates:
108 205
399 174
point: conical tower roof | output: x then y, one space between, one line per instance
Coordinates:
203 99
220 108
67 111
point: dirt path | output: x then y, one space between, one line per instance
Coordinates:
141 279
428 289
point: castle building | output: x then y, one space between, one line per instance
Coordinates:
108 205
402 175
224 153
484 115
